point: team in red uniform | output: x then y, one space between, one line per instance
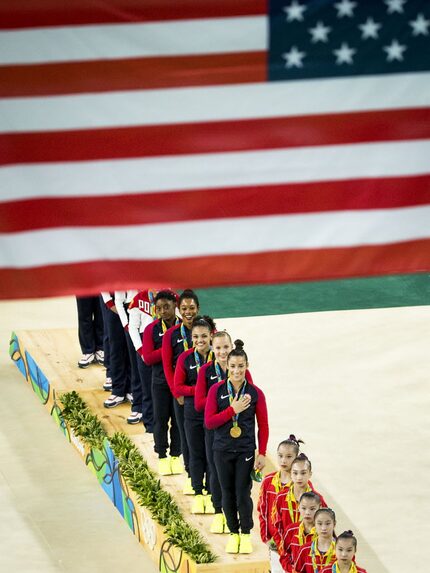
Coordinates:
210 374
299 534
165 425
185 380
231 410
272 485
175 341
205 406
287 502
319 552
346 548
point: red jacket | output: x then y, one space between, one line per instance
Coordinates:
265 507
201 390
282 514
329 569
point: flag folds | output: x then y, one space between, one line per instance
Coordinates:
211 142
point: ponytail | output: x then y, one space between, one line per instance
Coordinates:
302 458
348 535
292 441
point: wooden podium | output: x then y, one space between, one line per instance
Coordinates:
47 360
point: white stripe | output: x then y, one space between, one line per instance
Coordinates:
215 237
274 99
182 172
80 43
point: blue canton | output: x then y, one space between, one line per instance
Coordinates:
332 38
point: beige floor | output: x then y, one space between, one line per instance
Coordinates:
54 516
353 385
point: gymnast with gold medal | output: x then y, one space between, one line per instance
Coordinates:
232 407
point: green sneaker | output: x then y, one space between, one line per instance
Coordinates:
164 468
188 488
233 543
217 525
245 543
176 465
198 505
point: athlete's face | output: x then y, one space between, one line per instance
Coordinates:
237 366
345 551
188 310
300 473
307 508
201 339
286 455
324 525
222 346
165 309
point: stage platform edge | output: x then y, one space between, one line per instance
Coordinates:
47 360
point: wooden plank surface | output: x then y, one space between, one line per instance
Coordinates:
56 352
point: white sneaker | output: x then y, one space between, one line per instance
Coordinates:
129 397
134 418
86 360
107 386
113 401
100 357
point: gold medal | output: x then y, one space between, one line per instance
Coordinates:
235 432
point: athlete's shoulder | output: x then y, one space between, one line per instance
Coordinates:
269 476
292 528
154 325
184 356
173 333
304 550
205 369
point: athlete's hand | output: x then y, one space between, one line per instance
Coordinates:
180 400
241 404
260 462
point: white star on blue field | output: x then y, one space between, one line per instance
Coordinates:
329 38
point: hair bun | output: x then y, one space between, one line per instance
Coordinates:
239 344
349 532
188 293
302 456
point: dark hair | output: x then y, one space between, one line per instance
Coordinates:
238 350
188 293
302 458
326 510
220 333
310 495
204 321
292 441
166 295
348 535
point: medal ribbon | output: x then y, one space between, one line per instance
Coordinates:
152 304
219 371
163 324
184 336
231 397
293 506
327 556
209 358
278 485
301 535
276 482
352 569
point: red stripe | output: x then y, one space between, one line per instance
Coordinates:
228 270
37 13
132 74
208 137
147 208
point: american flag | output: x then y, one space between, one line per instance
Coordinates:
211 142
